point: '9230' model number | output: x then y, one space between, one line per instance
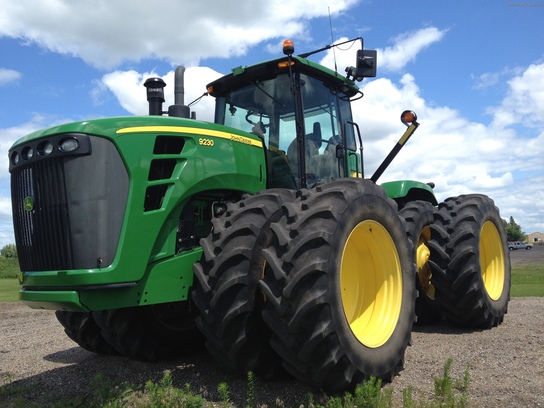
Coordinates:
206 142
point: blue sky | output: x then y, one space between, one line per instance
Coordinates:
472 70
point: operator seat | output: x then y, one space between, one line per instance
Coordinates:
313 143
278 169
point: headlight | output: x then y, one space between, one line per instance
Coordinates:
68 145
45 148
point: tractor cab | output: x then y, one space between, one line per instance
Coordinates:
302 113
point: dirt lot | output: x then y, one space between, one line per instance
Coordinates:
506 363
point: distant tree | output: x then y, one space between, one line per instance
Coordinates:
513 231
9 251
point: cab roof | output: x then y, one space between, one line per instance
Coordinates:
245 75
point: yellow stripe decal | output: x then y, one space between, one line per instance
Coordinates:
193 131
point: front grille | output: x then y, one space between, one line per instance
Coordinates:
68 209
40 216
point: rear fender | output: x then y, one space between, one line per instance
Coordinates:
404 191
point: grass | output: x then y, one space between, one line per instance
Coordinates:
448 393
528 280
9 285
9 290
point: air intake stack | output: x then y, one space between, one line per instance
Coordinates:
155 95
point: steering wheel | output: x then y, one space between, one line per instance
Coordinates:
250 113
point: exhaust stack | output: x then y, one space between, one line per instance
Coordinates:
179 109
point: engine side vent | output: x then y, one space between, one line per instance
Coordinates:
161 169
154 196
168 145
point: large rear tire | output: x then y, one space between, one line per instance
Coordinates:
83 329
340 285
226 284
151 333
470 261
419 216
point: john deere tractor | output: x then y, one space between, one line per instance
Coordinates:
258 234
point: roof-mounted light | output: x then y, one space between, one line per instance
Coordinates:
288 47
285 64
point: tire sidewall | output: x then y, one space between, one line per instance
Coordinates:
372 207
497 307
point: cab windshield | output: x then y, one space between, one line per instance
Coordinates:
267 109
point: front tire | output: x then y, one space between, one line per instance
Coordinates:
470 261
151 333
340 285
83 329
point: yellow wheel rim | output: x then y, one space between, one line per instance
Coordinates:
492 260
422 259
371 283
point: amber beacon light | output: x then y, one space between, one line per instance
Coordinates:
288 47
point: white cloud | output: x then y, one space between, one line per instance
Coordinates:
524 102
107 32
8 76
127 86
490 79
486 80
407 46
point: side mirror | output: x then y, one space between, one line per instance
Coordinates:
366 64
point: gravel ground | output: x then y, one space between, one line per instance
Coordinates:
506 362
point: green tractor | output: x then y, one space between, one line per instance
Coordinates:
257 234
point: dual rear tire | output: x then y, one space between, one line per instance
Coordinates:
419 216
470 261
226 284
463 264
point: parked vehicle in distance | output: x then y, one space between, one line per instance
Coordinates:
518 245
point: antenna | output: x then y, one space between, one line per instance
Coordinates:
332 41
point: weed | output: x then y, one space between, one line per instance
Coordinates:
103 388
449 392
224 393
251 390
